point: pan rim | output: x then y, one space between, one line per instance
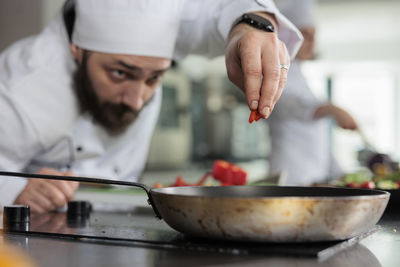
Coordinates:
378 194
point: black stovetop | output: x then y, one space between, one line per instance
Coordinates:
139 227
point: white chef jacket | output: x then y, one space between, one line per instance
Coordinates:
40 123
300 145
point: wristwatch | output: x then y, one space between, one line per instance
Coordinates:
255 21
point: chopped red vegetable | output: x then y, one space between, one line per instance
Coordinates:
254 116
225 172
204 178
228 173
179 182
368 184
352 184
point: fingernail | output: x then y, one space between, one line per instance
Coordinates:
254 104
265 112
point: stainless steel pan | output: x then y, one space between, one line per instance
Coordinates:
259 213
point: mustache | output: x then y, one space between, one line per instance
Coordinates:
116 116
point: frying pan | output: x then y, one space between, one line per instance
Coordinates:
258 213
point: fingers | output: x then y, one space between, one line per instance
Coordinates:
349 125
34 208
251 71
352 124
234 72
344 119
41 200
259 59
45 195
51 191
284 60
271 70
36 202
72 185
66 187
23 199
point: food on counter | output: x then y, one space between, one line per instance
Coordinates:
381 178
254 116
366 184
379 162
225 172
228 173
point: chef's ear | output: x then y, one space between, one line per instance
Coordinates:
76 52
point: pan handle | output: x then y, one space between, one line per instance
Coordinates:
86 180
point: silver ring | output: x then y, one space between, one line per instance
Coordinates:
283 66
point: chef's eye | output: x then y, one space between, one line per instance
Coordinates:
154 79
119 74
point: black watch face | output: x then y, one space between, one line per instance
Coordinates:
257 22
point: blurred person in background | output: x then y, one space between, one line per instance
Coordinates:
300 124
83 96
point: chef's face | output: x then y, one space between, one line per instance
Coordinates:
307 50
114 88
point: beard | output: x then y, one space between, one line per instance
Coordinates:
114 118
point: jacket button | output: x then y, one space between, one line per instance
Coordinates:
79 148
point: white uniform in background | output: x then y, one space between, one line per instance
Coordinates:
40 125
300 145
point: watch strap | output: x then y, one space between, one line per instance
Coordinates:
256 21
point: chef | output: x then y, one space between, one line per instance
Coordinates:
83 96
299 126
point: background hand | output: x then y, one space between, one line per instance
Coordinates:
46 195
344 119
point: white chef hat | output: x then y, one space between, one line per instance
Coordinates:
134 27
299 12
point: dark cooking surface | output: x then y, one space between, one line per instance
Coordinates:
379 249
140 227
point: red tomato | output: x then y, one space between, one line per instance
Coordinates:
228 173
368 184
220 170
352 184
239 176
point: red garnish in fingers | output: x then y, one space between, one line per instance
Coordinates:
254 116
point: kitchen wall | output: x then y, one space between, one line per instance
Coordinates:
20 18
359 30
12 27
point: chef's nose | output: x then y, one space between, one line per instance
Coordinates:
134 95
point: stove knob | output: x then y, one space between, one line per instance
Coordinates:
16 218
78 213
79 208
